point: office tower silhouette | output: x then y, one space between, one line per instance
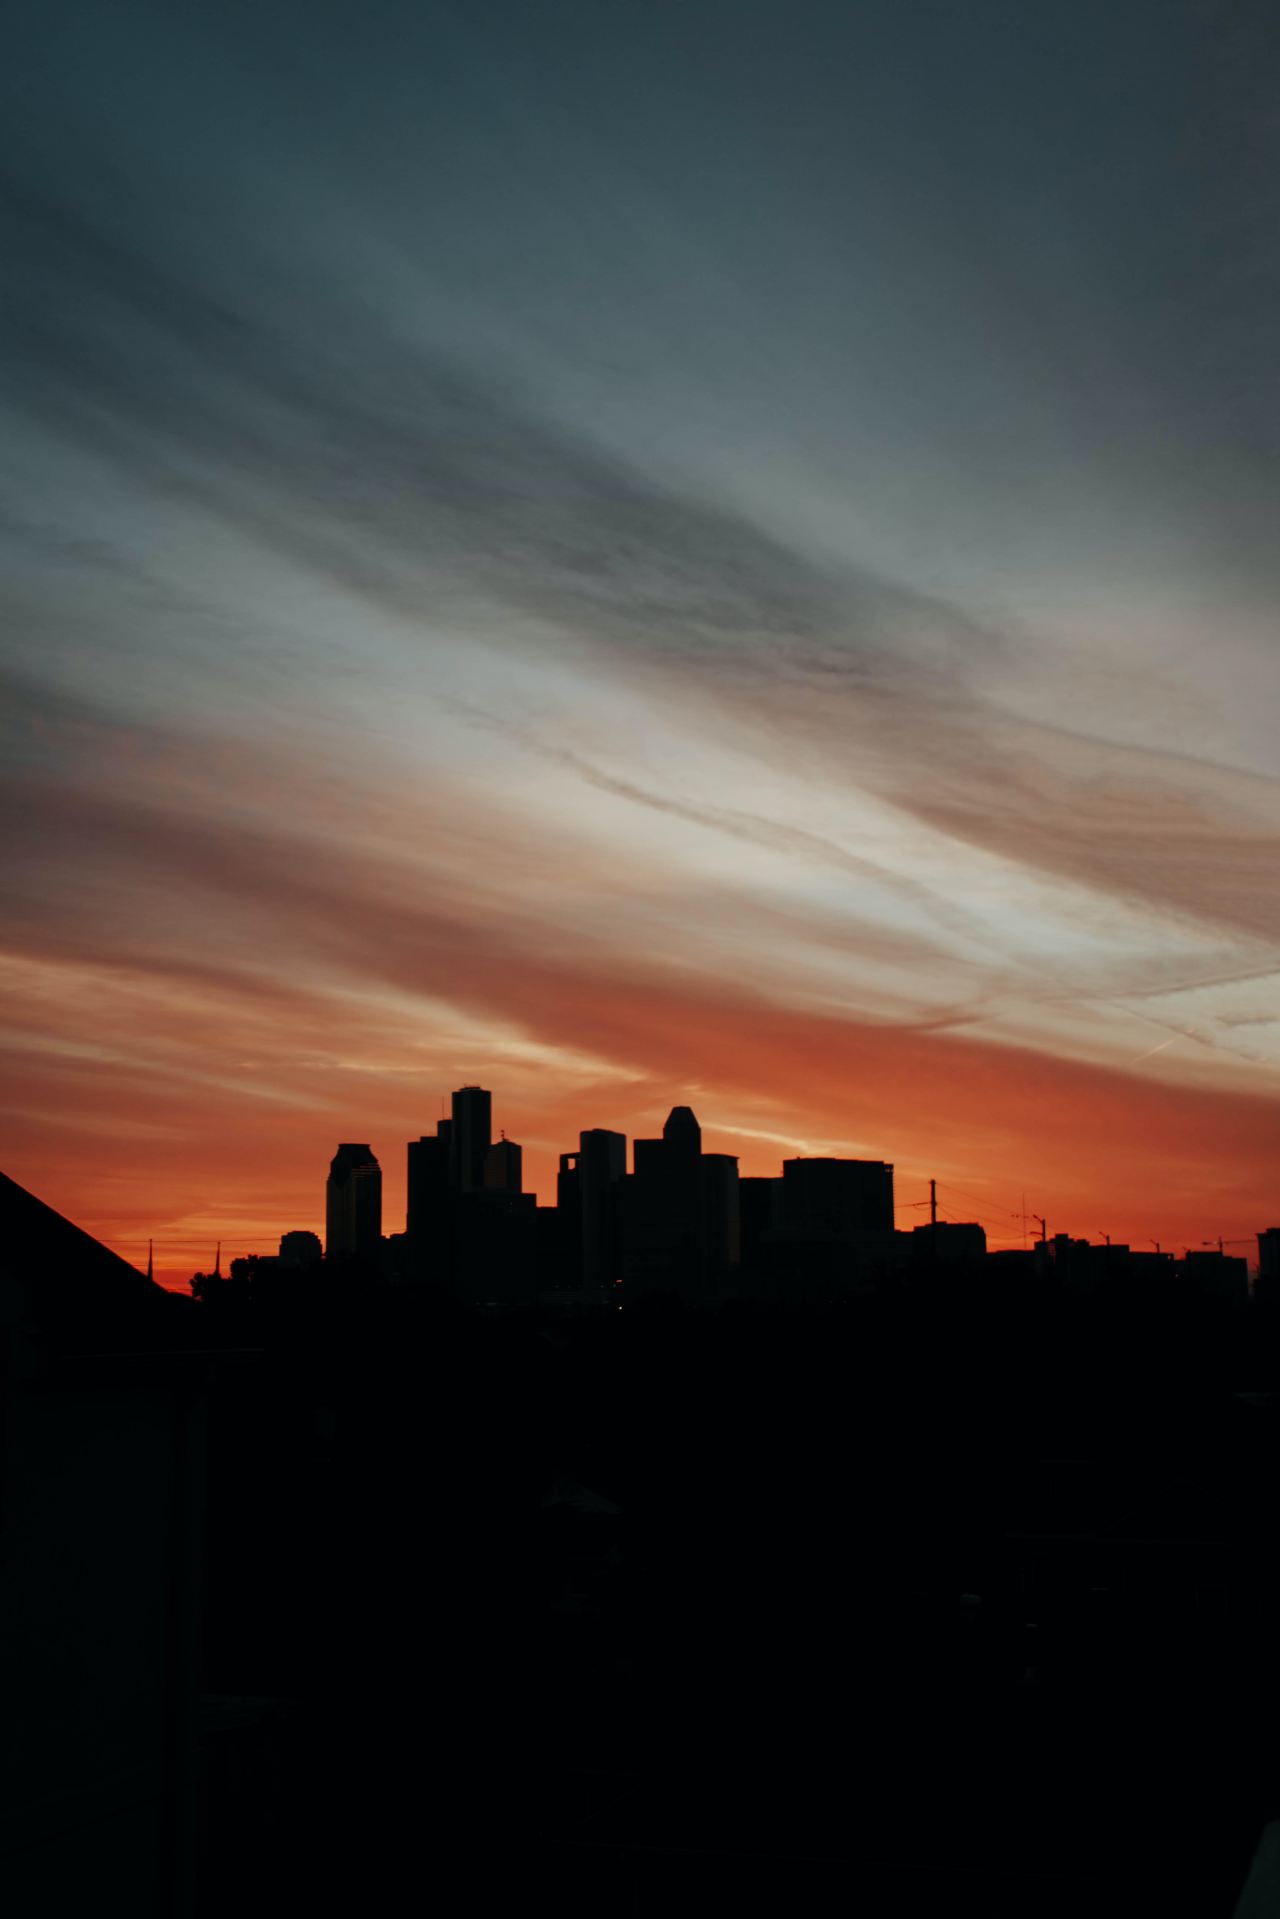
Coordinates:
721 1227
502 1167
679 1217
427 1183
353 1203
759 1214
569 1187
679 1198
588 1196
832 1198
682 1134
602 1163
648 1158
470 1137
1268 1286
429 1206
469 1225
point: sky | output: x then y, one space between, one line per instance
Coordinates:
633 554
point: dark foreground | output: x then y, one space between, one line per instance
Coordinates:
951 1599
895 1604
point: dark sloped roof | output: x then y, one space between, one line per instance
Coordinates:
69 1278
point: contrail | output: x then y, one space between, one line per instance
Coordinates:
1155 1049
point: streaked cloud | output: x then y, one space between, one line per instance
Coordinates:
760 587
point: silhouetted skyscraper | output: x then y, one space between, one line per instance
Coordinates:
1268 1287
721 1228
427 1184
760 1208
568 1184
664 1227
682 1134
503 1167
353 1202
431 1206
470 1138
602 1163
648 1158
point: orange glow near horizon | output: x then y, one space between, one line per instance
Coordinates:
504 593
1094 1150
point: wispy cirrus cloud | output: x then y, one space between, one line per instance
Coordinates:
401 480
484 583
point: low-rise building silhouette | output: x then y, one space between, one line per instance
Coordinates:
1217 1275
949 1242
837 1198
300 1250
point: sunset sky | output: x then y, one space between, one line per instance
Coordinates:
641 551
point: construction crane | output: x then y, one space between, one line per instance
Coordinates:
1245 1239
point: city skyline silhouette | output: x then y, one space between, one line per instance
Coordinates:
902 1550
731 564
639 958
1006 1225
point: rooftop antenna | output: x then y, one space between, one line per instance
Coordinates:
217 1262
150 1265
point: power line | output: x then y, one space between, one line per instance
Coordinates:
986 1205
